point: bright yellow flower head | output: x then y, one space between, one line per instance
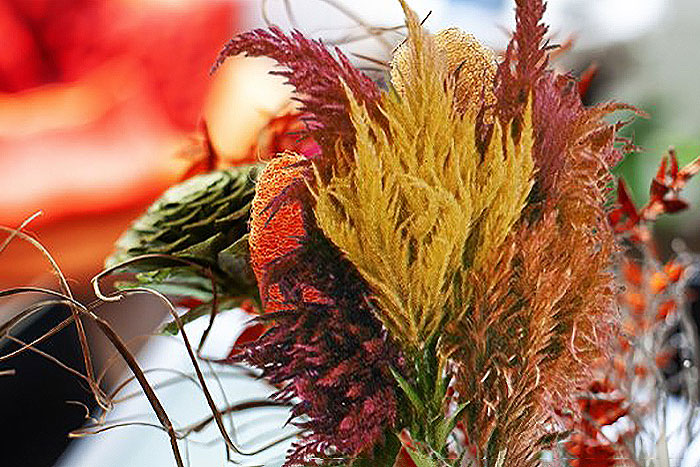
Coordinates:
423 203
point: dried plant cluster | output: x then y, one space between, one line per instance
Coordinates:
467 205
434 275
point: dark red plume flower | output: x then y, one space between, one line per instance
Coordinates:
319 79
562 124
324 346
524 62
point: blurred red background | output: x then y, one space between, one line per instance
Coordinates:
97 100
102 106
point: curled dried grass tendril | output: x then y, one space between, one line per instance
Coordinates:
106 402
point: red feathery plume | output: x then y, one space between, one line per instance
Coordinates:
318 78
562 124
324 346
525 59
664 198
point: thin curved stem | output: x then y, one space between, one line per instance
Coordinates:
82 337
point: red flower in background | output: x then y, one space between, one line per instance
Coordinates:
168 47
95 98
652 293
600 407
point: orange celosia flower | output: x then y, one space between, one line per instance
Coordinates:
275 229
664 357
636 302
632 273
590 453
665 308
673 271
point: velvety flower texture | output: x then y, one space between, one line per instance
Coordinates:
464 208
324 347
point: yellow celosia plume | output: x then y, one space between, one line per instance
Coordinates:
468 61
421 203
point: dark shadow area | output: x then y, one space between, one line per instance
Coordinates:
35 412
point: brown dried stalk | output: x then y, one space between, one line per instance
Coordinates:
107 401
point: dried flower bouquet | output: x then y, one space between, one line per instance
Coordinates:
436 269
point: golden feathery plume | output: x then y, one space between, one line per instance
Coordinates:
421 203
468 61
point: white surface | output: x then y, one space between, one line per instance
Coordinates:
137 446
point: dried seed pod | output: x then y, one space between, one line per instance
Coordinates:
205 220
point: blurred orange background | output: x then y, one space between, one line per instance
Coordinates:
101 106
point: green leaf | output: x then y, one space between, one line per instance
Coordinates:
409 391
208 248
383 456
441 384
172 329
204 220
421 459
428 368
176 290
179 282
446 426
235 261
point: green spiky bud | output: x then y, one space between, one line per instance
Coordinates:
203 220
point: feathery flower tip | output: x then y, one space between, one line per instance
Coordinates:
470 63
